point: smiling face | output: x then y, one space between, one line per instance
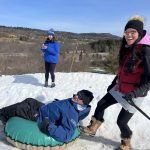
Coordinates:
131 35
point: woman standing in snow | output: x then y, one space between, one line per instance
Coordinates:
50 49
131 83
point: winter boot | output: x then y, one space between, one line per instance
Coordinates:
92 128
53 84
125 144
46 84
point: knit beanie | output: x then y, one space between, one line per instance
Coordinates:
86 96
51 32
136 23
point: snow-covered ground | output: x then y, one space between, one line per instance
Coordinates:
16 88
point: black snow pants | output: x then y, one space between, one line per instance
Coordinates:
50 68
123 118
28 109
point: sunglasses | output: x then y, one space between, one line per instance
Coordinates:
78 95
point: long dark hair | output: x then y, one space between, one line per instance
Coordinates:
122 51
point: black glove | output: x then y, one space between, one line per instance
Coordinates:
44 125
129 96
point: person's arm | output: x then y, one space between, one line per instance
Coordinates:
53 49
63 132
112 84
44 46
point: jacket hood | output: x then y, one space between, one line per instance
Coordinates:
145 40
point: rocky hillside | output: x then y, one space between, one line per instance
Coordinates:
68 40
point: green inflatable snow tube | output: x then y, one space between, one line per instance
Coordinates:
25 134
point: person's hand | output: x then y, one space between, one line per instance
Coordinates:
44 46
44 125
129 96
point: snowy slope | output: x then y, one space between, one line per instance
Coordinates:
18 87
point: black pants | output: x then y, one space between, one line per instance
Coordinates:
28 109
123 118
49 68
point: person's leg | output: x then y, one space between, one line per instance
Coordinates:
52 70
104 103
122 122
126 133
47 69
97 118
8 112
25 109
29 109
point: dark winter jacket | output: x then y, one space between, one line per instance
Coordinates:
51 53
63 117
134 74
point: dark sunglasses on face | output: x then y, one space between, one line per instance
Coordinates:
79 96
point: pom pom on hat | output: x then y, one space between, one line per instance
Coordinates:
137 23
86 96
51 32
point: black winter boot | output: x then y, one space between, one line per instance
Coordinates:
53 84
46 84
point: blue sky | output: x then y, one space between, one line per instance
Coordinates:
79 16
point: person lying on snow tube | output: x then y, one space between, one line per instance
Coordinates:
57 119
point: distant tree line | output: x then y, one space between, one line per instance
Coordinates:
105 45
110 46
